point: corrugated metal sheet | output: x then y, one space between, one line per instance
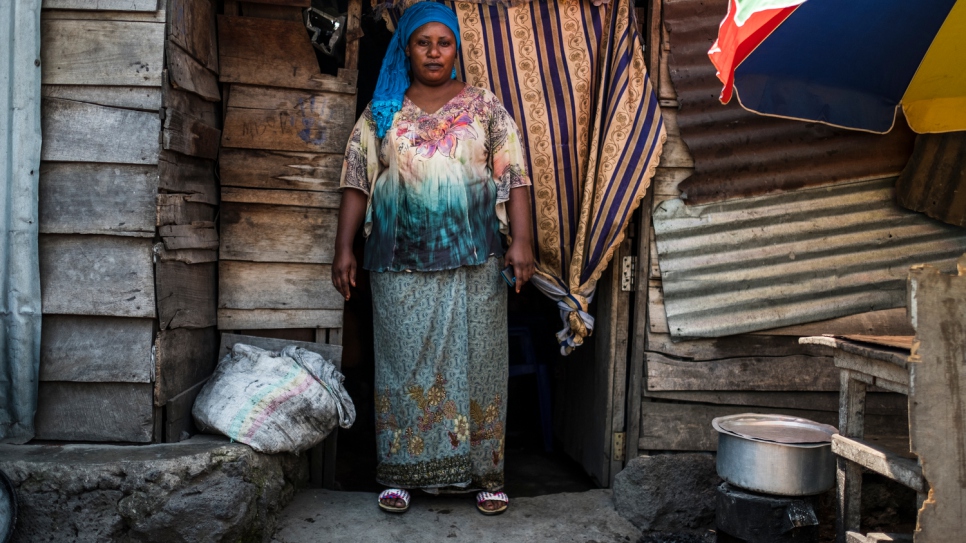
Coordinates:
738 153
801 256
19 268
934 181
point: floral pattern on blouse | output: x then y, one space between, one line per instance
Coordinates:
437 183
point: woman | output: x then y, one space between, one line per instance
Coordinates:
436 169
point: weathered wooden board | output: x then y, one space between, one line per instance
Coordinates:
96 349
732 347
89 198
189 136
288 120
102 15
112 53
188 74
188 175
687 427
182 209
143 98
97 275
81 132
328 351
120 412
885 322
878 403
303 198
656 317
267 233
191 24
185 357
113 5
198 235
188 256
938 398
186 294
280 169
270 11
253 319
269 285
191 104
178 422
801 373
273 53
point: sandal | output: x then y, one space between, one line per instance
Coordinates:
482 497
394 494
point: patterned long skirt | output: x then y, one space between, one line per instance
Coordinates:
441 377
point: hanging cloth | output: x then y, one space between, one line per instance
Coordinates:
572 75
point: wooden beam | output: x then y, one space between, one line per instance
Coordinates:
188 74
78 52
687 427
89 198
191 26
322 200
749 373
95 412
269 285
185 357
189 136
178 422
96 349
884 462
252 319
112 5
128 97
267 233
80 132
188 175
198 235
97 275
186 294
288 120
261 169
274 53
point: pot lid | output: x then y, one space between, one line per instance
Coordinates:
775 429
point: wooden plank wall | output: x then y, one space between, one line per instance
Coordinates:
685 384
187 204
127 157
286 127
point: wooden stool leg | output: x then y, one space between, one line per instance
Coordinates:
849 475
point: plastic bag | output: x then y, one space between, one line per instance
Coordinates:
274 402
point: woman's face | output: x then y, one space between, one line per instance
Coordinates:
432 53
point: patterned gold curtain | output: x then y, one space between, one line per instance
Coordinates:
572 74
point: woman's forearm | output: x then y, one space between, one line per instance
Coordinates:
518 210
352 211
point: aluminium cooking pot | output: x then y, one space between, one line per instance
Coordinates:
775 454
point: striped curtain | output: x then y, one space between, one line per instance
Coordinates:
573 76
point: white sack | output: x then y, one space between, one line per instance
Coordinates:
274 402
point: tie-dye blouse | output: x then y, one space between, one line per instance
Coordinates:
437 182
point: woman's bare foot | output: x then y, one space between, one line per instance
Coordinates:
394 500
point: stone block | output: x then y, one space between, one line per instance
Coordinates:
202 489
668 492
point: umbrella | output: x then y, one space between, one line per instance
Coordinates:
849 64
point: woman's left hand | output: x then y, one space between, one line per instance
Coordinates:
520 256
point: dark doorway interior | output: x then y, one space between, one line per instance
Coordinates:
530 470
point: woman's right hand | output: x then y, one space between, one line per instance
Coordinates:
344 272
351 212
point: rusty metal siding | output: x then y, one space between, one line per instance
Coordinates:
934 181
19 172
738 153
800 256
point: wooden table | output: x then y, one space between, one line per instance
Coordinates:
882 362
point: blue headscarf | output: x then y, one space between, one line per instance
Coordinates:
394 75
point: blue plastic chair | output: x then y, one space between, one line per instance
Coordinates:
522 332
